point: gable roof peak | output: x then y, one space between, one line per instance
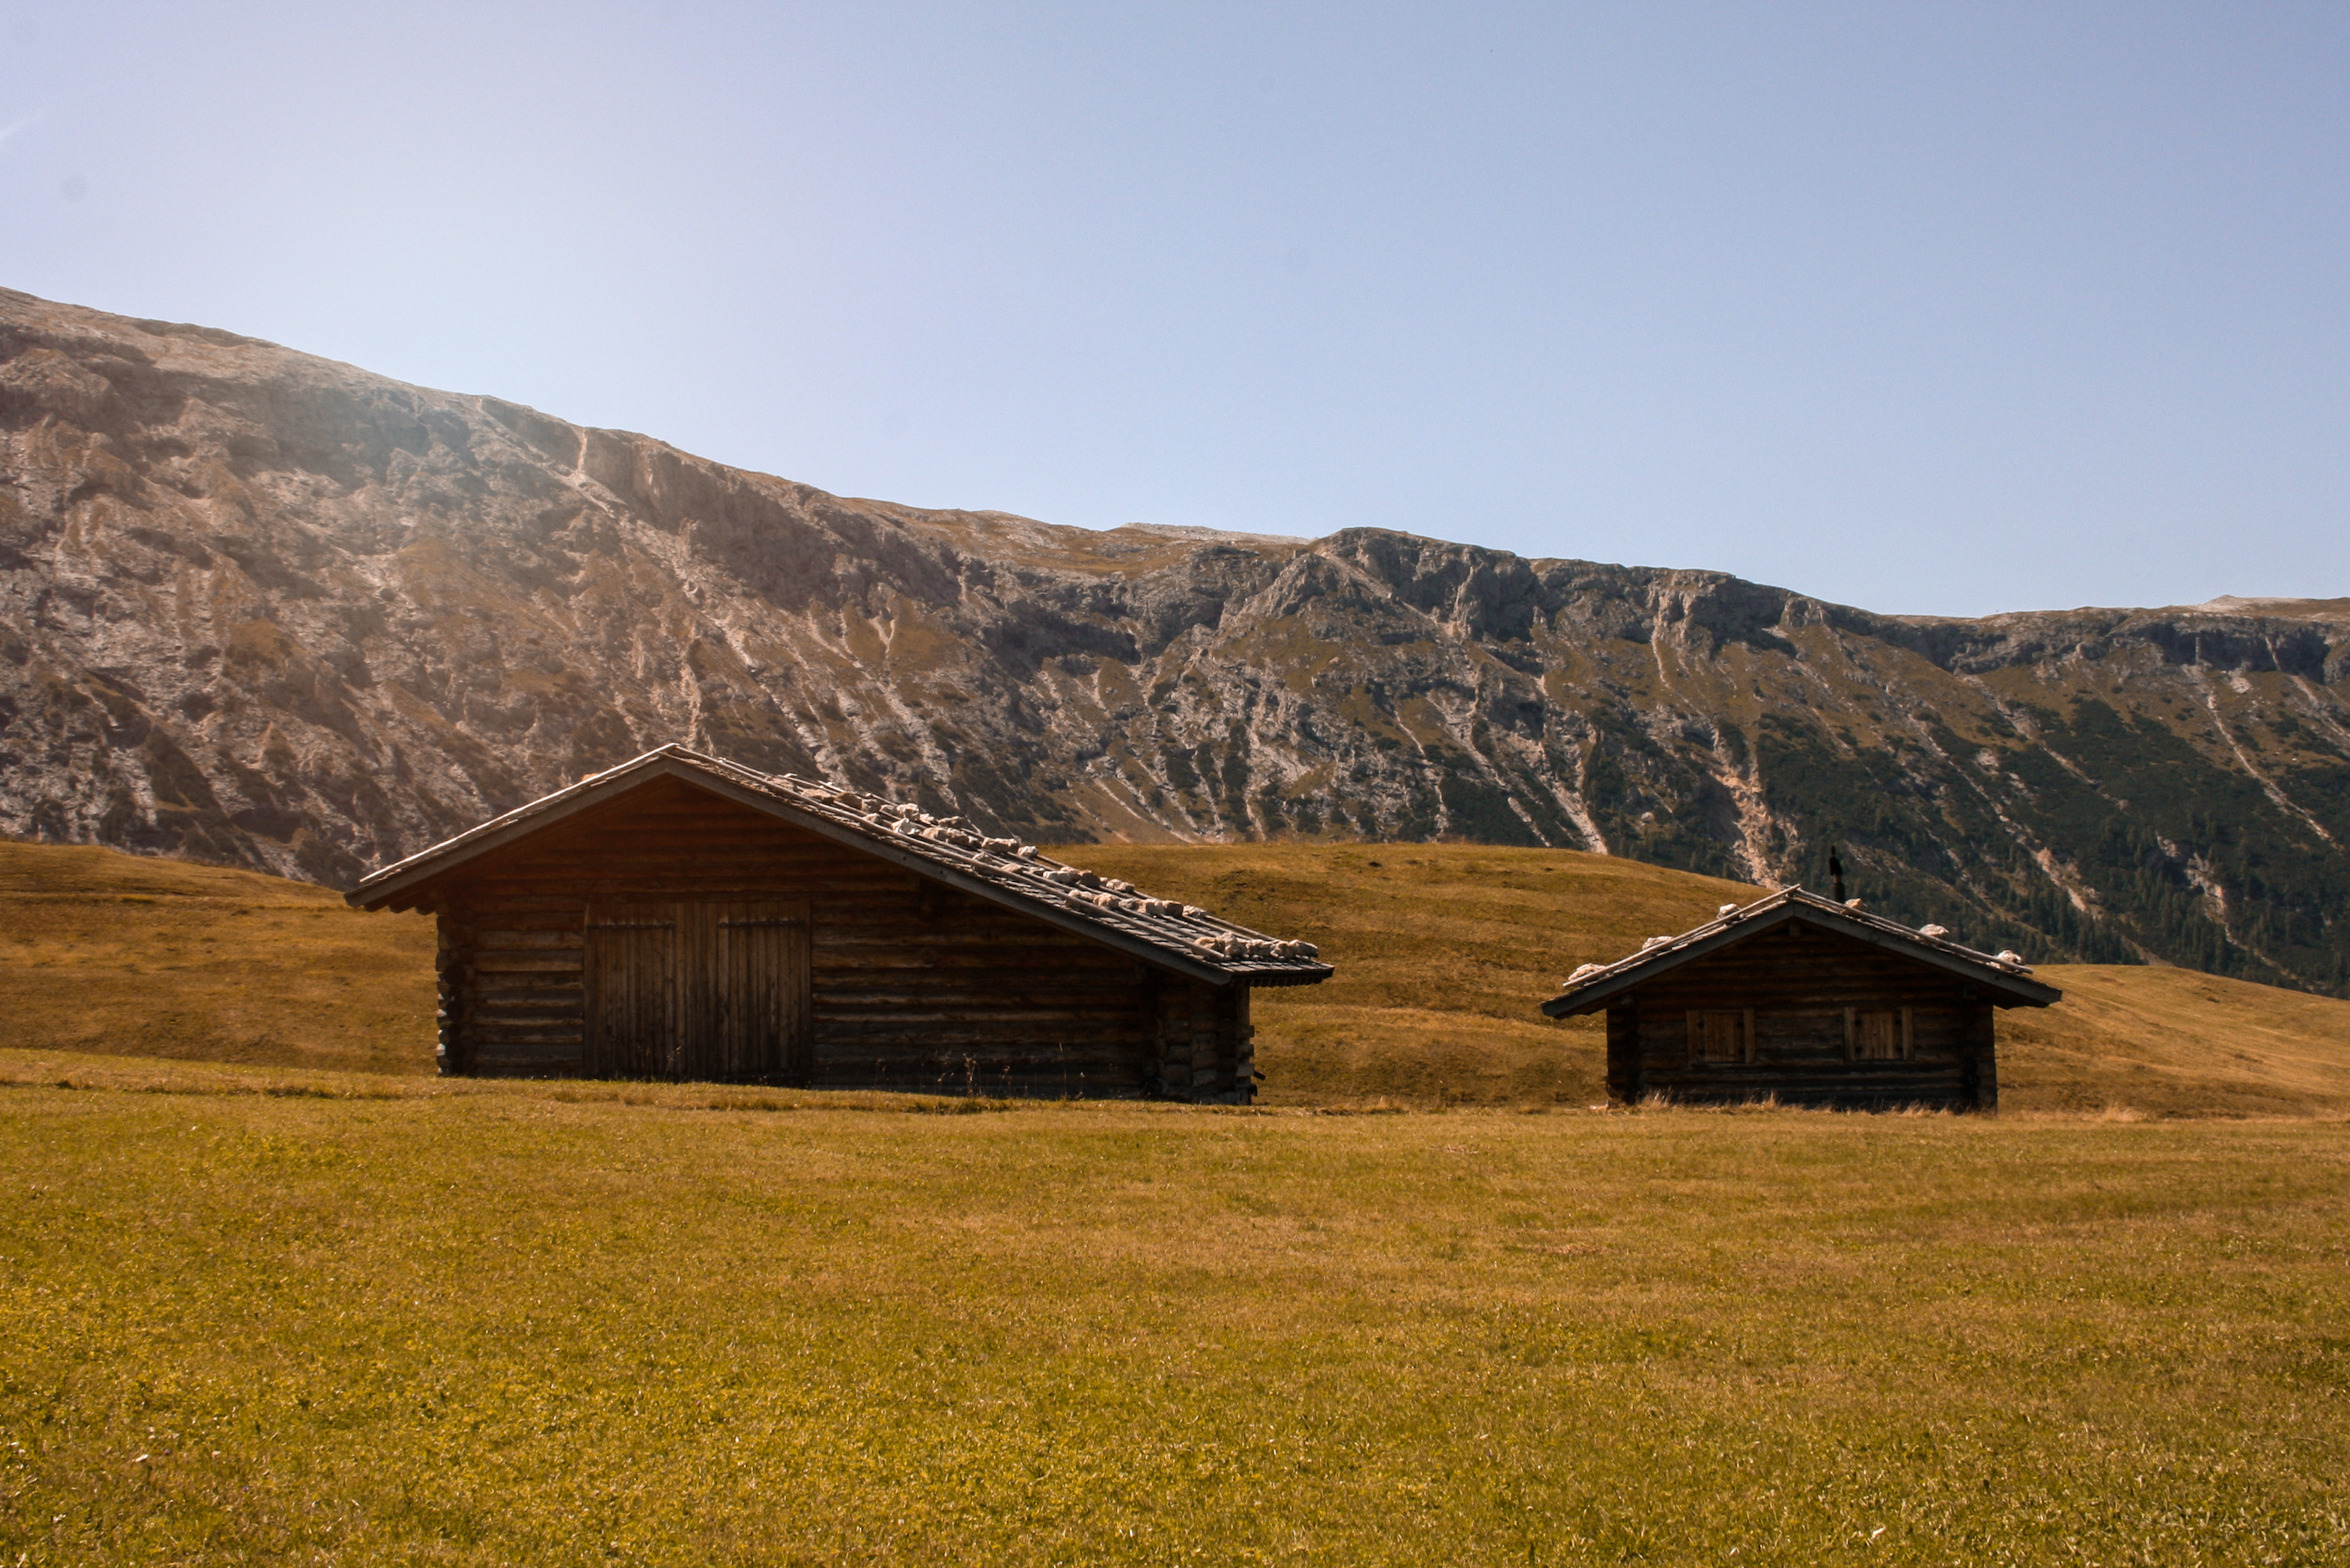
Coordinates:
947 849
2005 972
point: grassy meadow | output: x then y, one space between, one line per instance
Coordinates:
261 1315
1443 952
271 1292
102 952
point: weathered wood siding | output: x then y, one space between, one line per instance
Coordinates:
1202 1042
1807 1016
902 983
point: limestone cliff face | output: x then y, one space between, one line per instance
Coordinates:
267 609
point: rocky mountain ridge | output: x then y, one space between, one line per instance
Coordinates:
269 610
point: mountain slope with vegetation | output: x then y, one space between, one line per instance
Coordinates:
266 610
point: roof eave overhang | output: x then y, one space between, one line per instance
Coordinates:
384 888
1290 974
1598 990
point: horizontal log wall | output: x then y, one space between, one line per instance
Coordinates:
1203 1048
1800 983
916 986
1624 1084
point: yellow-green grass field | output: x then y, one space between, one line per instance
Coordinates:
288 1298
256 1314
1443 953
104 952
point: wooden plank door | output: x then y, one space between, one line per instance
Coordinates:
763 1007
632 990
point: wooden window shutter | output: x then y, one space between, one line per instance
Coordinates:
1721 1034
1879 1034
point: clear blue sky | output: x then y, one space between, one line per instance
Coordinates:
1939 308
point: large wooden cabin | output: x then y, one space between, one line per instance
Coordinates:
682 918
1798 998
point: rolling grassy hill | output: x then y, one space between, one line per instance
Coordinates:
122 955
266 1312
1443 951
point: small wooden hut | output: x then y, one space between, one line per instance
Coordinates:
679 916
1809 1001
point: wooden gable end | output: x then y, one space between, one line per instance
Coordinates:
1809 1015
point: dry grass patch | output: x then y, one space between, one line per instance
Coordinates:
515 1323
2171 1042
1443 953
119 953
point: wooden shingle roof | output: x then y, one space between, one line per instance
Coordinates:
1178 936
2005 976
